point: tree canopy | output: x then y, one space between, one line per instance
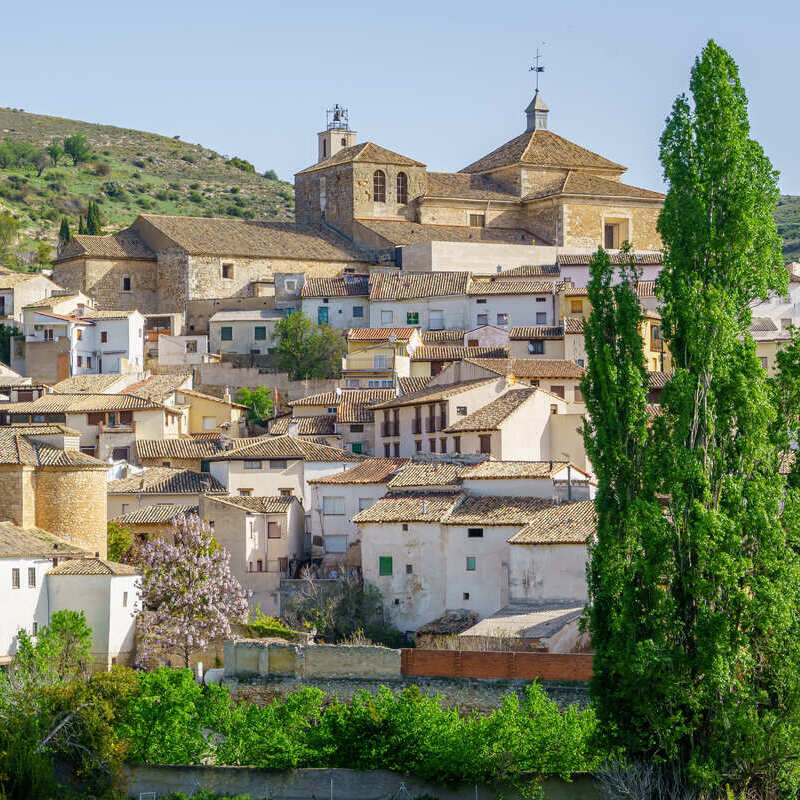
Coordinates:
306 350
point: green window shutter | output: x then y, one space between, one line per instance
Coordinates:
471 567
226 334
357 447
261 332
412 318
384 565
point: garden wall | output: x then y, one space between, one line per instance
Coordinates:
333 784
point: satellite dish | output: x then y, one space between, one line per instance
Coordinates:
392 337
338 391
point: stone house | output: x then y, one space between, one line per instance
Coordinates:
513 302
429 360
377 357
19 289
41 574
187 452
152 520
537 341
341 302
264 537
247 332
158 486
163 265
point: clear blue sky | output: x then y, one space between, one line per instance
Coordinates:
443 82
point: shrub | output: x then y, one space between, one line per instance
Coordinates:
161 195
101 168
195 197
194 185
270 174
144 202
114 190
137 162
234 190
242 164
188 159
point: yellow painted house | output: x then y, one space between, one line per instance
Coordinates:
376 357
209 414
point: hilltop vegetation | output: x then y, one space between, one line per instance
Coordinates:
126 172
787 215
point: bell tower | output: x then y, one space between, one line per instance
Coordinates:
337 134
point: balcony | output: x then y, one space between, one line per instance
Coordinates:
433 424
390 429
416 425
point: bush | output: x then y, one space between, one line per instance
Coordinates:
144 202
101 168
194 185
195 197
137 162
114 190
270 174
188 159
242 164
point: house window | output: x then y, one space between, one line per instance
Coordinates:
466 595
396 448
461 411
226 333
384 565
475 533
473 343
409 569
481 301
502 319
536 346
432 445
483 319
436 319
541 317
387 317
124 599
259 565
380 362
611 237
126 283
456 444
471 563
763 361
412 318
31 577
485 442
35 629
358 311
205 466
191 347
290 284
387 450
227 270
125 507
579 362
786 324
541 299
48 334
442 445
286 492
477 220
277 463
79 334
88 362
252 465
379 186
553 408
418 445
364 502
357 427
245 492
15 578
121 454
80 361
335 544
209 423
273 530
576 306
558 390
578 395
405 527
333 506
260 333
103 336
402 187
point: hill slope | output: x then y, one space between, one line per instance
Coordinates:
128 172
787 215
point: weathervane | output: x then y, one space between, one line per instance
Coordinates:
537 67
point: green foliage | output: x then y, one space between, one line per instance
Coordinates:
9 228
240 163
265 626
306 350
114 190
62 652
695 578
271 175
94 224
64 233
77 148
787 217
7 333
259 402
16 153
55 151
120 540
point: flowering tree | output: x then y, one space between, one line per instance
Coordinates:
188 592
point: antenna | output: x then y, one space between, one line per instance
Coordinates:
538 67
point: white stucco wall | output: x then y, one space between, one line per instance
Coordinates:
341 311
340 525
20 608
548 573
528 309
455 312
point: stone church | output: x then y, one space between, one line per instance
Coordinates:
537 188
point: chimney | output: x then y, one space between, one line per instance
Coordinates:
294 428
226 395
424 506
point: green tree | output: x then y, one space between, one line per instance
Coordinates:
40 162
81 225
55 151
94 224
306 350
43 254
9 228
120 540
259 402
7 333
64 233
699 663
77 148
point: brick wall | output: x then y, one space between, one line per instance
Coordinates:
527 666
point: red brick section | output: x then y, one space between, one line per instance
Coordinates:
473 664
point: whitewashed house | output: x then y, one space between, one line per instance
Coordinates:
341 302
243 332
508 303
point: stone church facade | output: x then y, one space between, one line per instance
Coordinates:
537 188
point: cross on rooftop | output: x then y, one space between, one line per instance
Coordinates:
537 67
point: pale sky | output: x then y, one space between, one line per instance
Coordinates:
441 82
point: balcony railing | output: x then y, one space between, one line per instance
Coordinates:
416 425
390 429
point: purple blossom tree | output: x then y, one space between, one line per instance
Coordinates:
189 595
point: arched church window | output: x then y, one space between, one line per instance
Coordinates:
379 186
402 187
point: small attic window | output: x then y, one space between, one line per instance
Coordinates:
227 271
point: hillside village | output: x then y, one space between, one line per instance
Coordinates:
446 466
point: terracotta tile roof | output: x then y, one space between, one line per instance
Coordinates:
92 566
456 353
491 416
166 480
443 337
39 429
496 510
542 148
416 285
433 394
582 184
563 523
576 291
253 238
100 313
260 505
158 387
646 289
409 385
500 366
343 286
367 152
54 299
155 515
16 541
177 448
493 470
83 402
125 244
354 412
347 396
582 260
95 384
409 508
401 232
573 325
18 448
291 447
461 185
372 470
380 334
9 280
658 380
763 324
508 286
531 367
320 425
654 410
211 397
537 332
531 271
419 474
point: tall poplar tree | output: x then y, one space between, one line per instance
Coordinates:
710 675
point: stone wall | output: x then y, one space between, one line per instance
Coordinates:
212 378
17 495
47 362
583 223
336 784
